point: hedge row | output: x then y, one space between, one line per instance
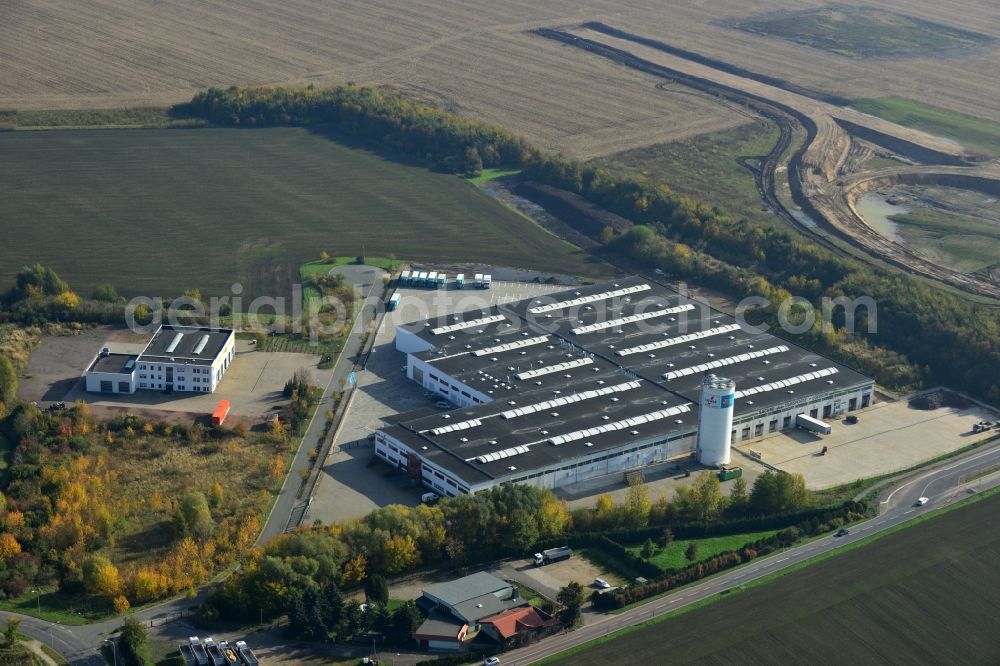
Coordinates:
703 530
727 560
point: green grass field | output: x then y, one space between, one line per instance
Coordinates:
960 242
705 167
490 174
923 595
159 211
862 32
674 558
971 132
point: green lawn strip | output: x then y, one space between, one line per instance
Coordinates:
53 608
769 577
491 174
674 557
54 656
971 131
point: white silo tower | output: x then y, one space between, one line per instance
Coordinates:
715 420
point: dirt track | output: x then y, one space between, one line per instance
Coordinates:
820 175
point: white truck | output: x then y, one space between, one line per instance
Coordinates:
198 650
807 422
246 654
214 653
553 555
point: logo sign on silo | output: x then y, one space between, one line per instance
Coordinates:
717 401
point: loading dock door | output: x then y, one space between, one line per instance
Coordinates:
107 387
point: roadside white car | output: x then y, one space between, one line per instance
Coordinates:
601 583
492 661
922 501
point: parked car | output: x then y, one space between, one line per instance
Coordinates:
429 498
601 583
922 501
852 419
843 531
492 661
441 404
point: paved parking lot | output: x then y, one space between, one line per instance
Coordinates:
253 383
549 579
890 436
352 484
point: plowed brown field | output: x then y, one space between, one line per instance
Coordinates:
473 56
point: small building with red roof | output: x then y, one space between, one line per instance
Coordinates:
528 622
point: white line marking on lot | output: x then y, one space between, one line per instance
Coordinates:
783 559
910 511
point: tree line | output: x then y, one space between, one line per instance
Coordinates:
378 117
509 520
924 333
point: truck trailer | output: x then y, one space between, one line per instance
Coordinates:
220 413
229 652
198 650
553 555
187 654
487 281
246 654
460 281
807 422
215 655
404 279
391 304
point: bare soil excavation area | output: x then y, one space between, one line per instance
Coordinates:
824 179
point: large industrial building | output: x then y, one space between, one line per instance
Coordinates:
177 358
599 380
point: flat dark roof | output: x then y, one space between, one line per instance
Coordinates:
459 451
162 349
632 340
113 362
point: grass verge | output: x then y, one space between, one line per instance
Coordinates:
970 131
491 174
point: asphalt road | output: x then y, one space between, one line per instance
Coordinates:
288 503
940 483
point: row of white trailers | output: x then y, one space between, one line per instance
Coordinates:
435 280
